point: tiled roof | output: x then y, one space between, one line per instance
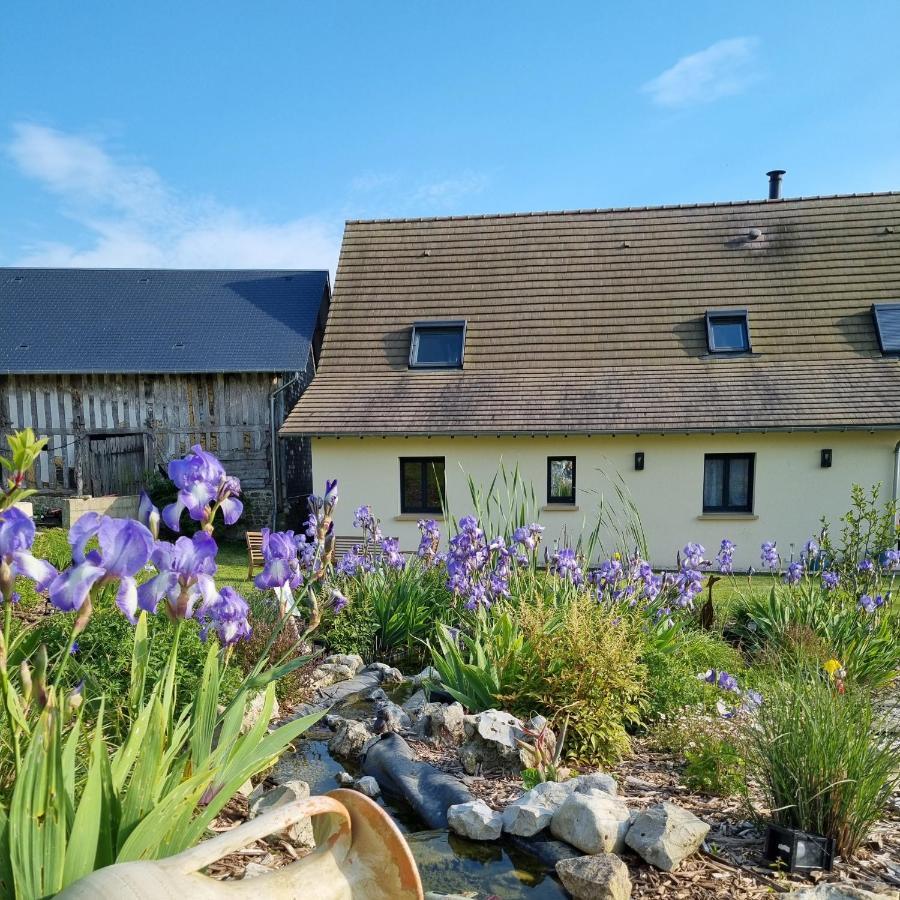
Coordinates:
157 321
593 321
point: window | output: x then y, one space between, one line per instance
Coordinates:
887 326
728 482
727 331
437 345
421 484
560 479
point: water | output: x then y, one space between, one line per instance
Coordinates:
448 863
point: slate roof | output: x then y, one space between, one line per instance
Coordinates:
593 321
58 321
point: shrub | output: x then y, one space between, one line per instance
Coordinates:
821 758
582 668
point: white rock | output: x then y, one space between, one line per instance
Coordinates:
330 673
254 870
253 711
428 675
552 793
391 718
526 818
840 892
415 704
500 727
350 739
475 820
600 877
300 833
592 822
353 661
367 785
596 781
666 834
445 723
345 779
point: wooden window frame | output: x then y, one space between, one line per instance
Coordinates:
568 501
405 508
726 482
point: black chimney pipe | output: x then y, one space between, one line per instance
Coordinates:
775 183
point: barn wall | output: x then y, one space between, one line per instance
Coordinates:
227 413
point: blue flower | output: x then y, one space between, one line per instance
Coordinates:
338 600
16 537
391 555
866 566
693 555
890 559
868 603
185 571
281 567
227 615
725 556
125 548
769 555
352 563
794 573
830 580
202 482
810 549
148 514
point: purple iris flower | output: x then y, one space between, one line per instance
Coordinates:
477 597
338 600
185 571
430 540
721 679
529 536
564 563
794 573
391 555
125 548
830 580
866 566
353 562
867 603
281 567
725 556
810 549
227 615
693 555
16 537
202 482
769 554
329 501
890 559
689 583
148 514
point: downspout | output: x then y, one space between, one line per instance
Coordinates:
273 438
896 491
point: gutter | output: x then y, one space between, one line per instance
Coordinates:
896 491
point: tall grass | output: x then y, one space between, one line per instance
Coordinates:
823 760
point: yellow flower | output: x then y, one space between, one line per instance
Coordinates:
832 667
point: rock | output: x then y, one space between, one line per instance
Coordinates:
526 818
470 726
500 728
368 785
254 870
333 722
428 675
475 820
377 694
415 704
260 802
840 892
390 718
592 822
350 740
330 673
596 781
344 779
446 725
552 793
246 789
388 674
431 895
253 711
600 877
666 834
353 661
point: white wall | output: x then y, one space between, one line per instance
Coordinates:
792 492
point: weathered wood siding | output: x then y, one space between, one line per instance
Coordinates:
226 413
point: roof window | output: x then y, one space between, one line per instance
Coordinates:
727 331
887 326
437 345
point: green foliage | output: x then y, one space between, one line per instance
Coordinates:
807 622
583 668
867 529
713 765
822 758
672 670
24 449
486 667
352 630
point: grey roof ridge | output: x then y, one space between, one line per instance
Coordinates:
617 209
150 269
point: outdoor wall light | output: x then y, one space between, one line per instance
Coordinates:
639 462
826 459
798 851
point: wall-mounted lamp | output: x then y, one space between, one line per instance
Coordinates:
825 460
639 462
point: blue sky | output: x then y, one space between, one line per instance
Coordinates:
238 134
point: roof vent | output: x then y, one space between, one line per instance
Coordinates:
754 234
17 278
178 345
22 347
888 229
143 280
775 183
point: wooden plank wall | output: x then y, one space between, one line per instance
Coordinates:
226 413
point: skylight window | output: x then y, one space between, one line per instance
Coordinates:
437 345
887 326
727 331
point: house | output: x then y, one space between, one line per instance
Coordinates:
736 364
125 369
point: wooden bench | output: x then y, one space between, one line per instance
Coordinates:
255 557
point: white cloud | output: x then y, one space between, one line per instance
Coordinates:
401 195
131 217
722 69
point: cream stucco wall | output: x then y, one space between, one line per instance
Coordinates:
791 493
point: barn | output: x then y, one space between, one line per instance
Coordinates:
125 369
